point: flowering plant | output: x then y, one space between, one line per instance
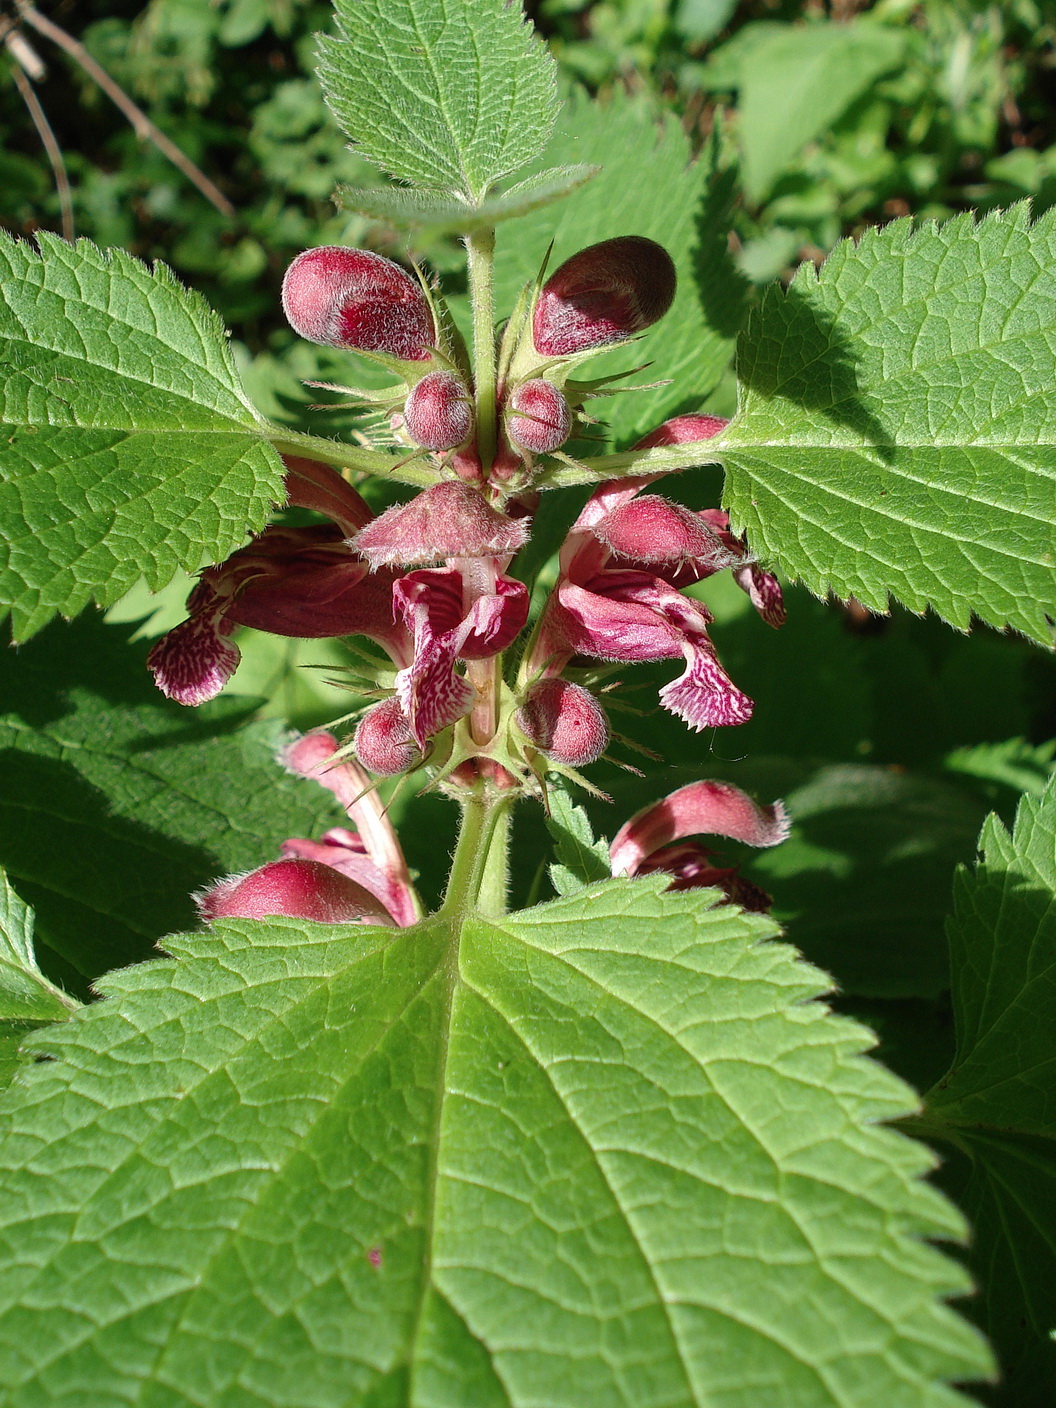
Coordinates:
360 1138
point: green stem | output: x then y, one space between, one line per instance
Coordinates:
385 466
478 868
495 881
667 459
480 249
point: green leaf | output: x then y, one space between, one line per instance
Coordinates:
579 858
130 448
1014 763
648 186
437 212
897 429
25 993
996 1106
117 804
27 999
1003 948
446 94
606 1151
797 82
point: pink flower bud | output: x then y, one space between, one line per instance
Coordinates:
438 414
650 529
683 430
564 721
537 417
383 742
603 294
302 889
356 299
446 520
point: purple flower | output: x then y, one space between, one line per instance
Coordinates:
466 611
654 840
371 855
302 582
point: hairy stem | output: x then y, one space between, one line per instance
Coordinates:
478 868
401 468
480 248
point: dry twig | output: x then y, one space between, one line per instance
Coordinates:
141 123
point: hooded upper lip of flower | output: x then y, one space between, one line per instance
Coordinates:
617 596
654 839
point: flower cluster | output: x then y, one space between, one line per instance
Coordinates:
429 581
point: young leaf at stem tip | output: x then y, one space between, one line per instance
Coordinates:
446 94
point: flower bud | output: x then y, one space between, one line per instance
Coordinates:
356 299
651 529
683 430
603 294
383 742
564 721
538 418
446 520
301 889
438 414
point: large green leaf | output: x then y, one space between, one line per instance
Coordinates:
996 1106
649 186
897 428
447 94
27 999
129 447
606 1151
116 804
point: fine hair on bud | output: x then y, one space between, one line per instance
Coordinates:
564 721
438 414
382 741
604 294
538 418
359 300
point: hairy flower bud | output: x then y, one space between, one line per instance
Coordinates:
438 414
603 294
356 299
564 721
683 430
650 529
302 889
538 418
446 520
383 742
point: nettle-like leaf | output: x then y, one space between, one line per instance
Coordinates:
997 1105
605 1151
897 428
437 212
27 999
129 447
649 186
447 94
578 858
116 803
